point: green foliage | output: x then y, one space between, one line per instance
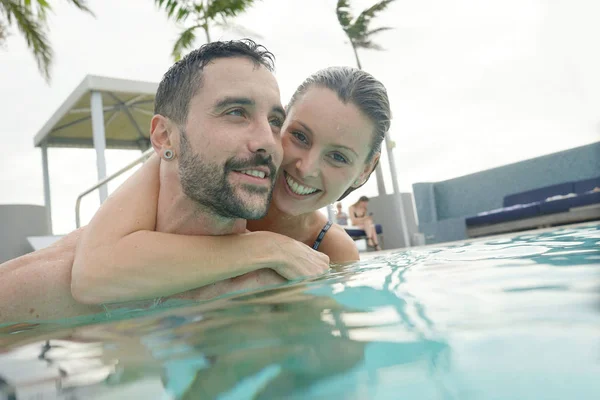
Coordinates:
203 14
29 17
358 29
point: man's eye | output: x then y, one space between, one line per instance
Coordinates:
238 112
276 121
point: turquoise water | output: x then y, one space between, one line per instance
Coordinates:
504 318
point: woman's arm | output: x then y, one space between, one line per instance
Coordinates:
339 246
121 257
351 215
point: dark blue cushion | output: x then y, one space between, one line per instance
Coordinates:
473 221
504 215
357 232
539 194
585 199
586 185
556 206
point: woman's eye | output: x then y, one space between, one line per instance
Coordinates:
300 136
338 157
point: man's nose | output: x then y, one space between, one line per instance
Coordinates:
266 140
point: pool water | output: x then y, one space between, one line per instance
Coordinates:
515 317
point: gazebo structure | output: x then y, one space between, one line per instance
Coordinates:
101 113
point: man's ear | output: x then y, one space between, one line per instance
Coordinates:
160 134
367 171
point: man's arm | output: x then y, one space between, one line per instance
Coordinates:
148 264
121 258
37 286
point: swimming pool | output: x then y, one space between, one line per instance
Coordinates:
501 318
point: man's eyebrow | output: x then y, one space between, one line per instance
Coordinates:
280 110
244 101
230 101
335 145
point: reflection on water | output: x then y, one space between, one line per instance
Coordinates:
502 318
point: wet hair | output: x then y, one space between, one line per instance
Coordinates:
183 80
357 87
362 198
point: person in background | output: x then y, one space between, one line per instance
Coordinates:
361 218
341 218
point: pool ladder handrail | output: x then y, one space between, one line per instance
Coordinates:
109 178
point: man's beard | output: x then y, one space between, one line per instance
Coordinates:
207 184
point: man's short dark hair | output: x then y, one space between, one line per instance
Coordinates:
183 80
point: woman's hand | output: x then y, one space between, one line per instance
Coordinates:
296 260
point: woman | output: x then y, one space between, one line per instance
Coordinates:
358 216
331 139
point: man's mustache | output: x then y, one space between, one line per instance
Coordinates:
258 160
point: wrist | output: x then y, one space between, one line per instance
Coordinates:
266 249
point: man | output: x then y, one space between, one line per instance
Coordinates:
340 216
216 134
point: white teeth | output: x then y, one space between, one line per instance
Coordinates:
297 188
253 172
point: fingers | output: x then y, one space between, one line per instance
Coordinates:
302 261
318 263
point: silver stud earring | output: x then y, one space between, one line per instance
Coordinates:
168 154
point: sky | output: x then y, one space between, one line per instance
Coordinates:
473 84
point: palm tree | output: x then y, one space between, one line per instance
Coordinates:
358 31
29 16
204 13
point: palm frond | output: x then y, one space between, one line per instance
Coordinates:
365 17
34 32
29 16
41 11
185 41
80 4
358 31
378 30
178 10
3 33
227 8
43 6
367 44
361 25
204 14
198 9
343 13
